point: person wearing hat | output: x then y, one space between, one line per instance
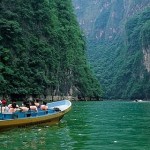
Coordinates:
4 105
4 101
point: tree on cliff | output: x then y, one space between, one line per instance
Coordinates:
42 50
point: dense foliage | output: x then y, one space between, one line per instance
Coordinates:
42 50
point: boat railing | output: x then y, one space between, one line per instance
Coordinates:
30 113
61 105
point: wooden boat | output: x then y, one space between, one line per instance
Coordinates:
56 110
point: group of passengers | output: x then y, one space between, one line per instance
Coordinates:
26 106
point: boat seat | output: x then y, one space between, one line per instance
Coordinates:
33 113
28 114
21 115
7 116
1 116
40 113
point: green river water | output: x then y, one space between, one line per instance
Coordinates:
106 125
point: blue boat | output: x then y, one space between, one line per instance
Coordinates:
56 111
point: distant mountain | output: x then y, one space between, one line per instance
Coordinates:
118 41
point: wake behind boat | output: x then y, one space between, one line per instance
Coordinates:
56 111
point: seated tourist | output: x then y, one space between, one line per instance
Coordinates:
4 106
10 105
44 106
25 107
37 104
13 108
32 106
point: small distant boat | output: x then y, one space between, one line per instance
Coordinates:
56 111
138 100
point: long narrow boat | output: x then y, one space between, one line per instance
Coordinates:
56 111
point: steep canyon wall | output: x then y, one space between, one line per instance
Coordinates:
117 33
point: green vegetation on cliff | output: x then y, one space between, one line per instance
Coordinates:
118 35
42 50
120 64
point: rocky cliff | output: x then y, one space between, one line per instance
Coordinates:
117 33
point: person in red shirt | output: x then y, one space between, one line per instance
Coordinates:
4 107
3 101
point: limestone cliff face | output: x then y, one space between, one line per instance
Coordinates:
105 18
116 44
146 58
